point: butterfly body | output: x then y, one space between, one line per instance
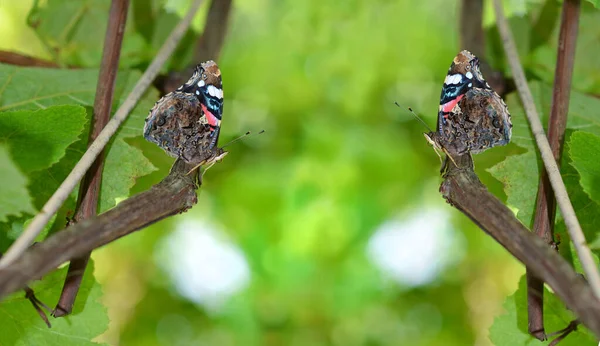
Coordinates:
186 123
471 117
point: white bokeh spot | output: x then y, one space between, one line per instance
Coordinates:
414 251
204 266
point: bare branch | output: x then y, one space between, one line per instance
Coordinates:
12 58
560 191
173 195
58 198
462 189
89 189
543 224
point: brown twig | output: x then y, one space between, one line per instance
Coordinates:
38 305
12 58
209 44
173 195
462 189
545 213
89 189
563 333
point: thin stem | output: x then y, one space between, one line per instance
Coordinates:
472 36
545 213
62 193
89 189
211 42
560 191
12 58
173 195
463 190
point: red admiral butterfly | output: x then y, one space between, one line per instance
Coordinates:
472 117
186 123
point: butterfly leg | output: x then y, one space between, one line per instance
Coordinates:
196 167
450 156
207 168
444 165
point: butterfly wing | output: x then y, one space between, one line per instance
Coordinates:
207 86
186 122
471 116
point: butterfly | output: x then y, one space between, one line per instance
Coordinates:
471 117
186 123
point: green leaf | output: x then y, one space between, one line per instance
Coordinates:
582 113
584 149
124 158
21 324
14 199
596 3
542 60
38 139
510 328
520 173
35 88
73 31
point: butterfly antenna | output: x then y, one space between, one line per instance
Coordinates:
240 137
416 116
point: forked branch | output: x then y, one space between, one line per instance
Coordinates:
89 189
560 191
88 158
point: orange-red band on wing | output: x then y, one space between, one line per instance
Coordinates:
447 107
210 118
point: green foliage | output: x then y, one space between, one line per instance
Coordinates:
596 3
21 325
38 139
34 89
583 150
510 328
12 200
537 43
520 174
35 140
72 31
301 201
46 131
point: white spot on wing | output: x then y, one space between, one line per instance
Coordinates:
453 79
469 75
197 92
215 92
201 83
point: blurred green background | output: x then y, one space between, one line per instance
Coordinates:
328 229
